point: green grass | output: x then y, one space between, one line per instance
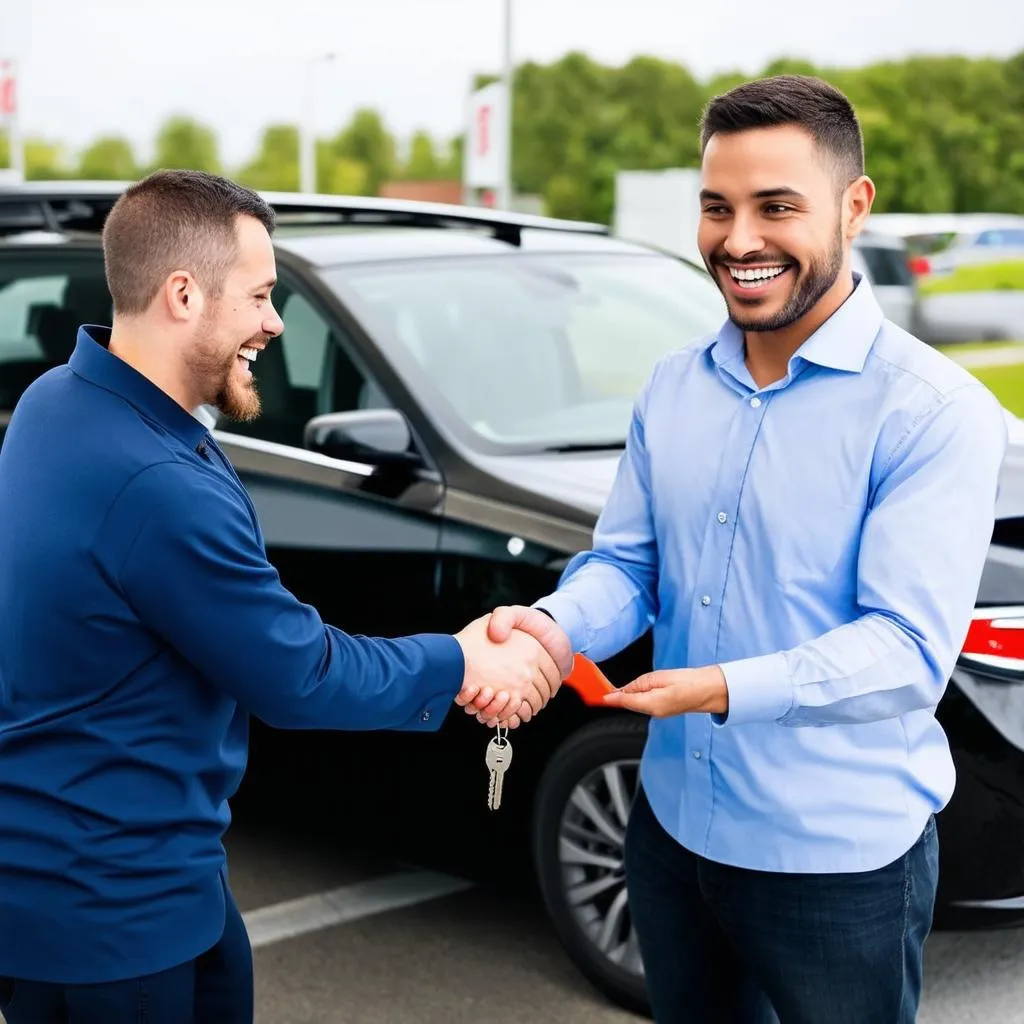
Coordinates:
960 348
987 277
1006 383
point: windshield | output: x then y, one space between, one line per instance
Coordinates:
533 352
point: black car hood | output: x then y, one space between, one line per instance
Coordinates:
581 480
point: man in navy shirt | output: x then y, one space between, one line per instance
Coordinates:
142 624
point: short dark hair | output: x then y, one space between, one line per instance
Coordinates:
802 100
175 220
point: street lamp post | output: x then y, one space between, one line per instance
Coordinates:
307 126
505 189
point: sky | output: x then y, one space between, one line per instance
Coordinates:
122 66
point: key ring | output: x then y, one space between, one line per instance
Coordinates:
501 739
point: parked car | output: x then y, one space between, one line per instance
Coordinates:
885 262
444 415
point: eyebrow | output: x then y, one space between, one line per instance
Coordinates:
266 284
765 193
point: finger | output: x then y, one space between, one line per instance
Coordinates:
484 697
644 703
501 623
504 704
650 681
550 673
467 694
515 721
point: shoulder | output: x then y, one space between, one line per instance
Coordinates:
931 396
916 367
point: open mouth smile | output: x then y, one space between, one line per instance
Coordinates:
753 281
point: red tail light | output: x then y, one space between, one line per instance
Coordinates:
995 640
919 265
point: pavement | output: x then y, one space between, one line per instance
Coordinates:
487 953
351 930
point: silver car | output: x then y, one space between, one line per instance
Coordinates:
884 261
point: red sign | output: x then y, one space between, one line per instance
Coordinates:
8 90
483 129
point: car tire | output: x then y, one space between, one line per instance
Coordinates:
583 771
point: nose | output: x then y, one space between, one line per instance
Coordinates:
273 325
743 238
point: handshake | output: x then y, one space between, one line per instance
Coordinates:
516 659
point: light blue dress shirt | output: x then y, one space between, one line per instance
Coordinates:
822 539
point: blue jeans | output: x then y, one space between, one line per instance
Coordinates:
726 945
214 988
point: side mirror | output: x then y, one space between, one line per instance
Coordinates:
380 436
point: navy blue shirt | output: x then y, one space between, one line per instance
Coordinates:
140 624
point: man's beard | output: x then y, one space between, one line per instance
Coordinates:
820 276
214 374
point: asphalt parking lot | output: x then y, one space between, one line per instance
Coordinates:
344 933
348 933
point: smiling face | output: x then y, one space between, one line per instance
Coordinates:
775 225
236 326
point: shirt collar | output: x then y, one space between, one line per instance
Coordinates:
842 342
92 361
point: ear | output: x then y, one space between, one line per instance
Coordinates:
857 200
182 296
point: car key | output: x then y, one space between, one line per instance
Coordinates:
499 757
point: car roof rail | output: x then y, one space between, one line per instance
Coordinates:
80 206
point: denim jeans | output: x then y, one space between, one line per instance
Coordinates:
215 988
726 945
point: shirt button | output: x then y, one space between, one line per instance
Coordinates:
696 755
425 716
722 517
705 600
755 403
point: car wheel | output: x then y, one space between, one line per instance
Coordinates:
579 826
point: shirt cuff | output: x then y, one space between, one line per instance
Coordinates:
759 688
446 664
566 612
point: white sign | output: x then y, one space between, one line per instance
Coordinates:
484 156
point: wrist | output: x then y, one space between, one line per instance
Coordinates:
712 690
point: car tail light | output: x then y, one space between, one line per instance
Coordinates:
995 641
919 265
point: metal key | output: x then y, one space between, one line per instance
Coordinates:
499 757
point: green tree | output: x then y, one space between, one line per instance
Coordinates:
422 163
44 160
366 141
276 164
185 143
108 158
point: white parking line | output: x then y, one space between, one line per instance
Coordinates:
286 920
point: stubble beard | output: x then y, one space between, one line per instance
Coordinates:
215 375
820 276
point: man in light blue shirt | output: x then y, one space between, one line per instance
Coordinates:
802 514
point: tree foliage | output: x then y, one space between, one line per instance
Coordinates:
940 133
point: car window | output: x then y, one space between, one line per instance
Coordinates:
887 266
42 305
532 351
1001 237
305 372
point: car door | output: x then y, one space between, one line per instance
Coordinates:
45 296
349 537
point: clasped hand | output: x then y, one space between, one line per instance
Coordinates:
517 657
515 664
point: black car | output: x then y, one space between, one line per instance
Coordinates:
443 417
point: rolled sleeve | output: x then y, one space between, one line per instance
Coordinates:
760 690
